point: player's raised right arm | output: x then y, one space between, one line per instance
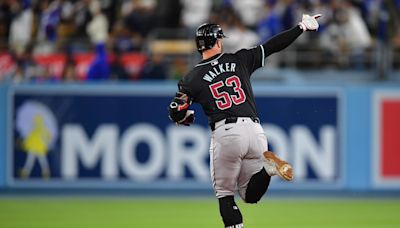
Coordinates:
284 39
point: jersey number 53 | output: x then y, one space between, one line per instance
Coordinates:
224 100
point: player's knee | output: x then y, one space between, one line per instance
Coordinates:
252 200
257 186
230 212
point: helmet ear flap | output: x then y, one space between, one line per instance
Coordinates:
207 36
201 45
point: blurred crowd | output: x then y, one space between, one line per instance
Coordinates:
351 33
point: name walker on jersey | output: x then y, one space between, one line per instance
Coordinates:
217 70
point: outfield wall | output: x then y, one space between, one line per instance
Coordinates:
109 136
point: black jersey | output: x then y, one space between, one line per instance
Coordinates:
221 84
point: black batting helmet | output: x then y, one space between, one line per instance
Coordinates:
207 35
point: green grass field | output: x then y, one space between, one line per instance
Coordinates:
194 213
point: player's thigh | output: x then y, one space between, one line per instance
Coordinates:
253 162
225 158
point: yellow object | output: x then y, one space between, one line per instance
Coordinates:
38 140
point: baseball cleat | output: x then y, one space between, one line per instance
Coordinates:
276 166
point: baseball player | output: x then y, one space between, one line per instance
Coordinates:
220 83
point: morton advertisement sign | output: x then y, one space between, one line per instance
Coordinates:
74 137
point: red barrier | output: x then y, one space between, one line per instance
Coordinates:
55 64
7 65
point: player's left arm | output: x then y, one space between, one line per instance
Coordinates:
179 109
284 39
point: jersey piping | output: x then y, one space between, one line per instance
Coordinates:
262 56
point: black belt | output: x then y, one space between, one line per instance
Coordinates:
234 119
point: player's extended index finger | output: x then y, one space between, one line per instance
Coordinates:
317 16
